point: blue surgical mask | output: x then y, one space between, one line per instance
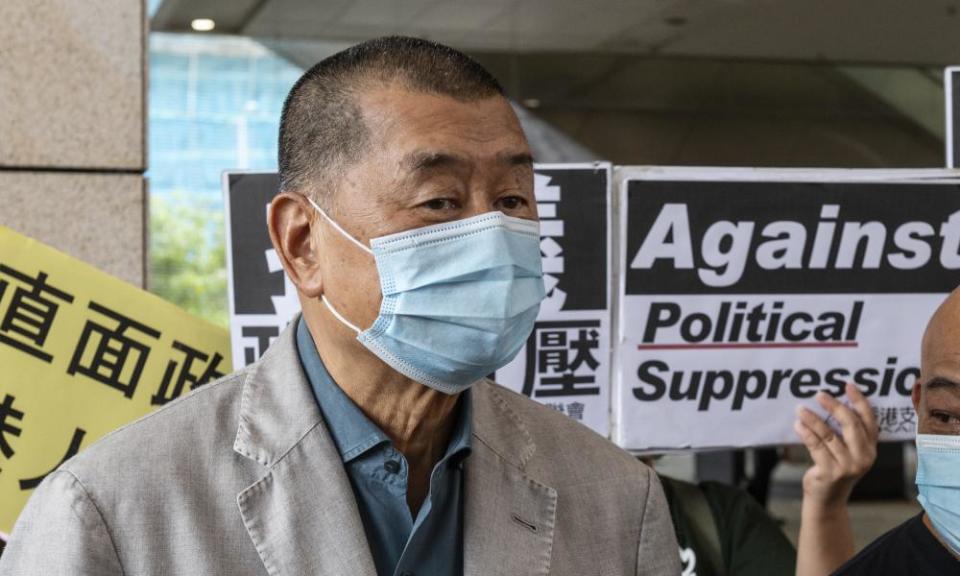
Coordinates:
938 481
459 298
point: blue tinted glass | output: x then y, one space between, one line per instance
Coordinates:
214 105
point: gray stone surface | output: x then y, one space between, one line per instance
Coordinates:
98 218
72 84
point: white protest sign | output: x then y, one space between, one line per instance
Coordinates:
744 292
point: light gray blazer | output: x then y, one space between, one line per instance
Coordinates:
242 477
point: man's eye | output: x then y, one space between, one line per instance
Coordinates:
945 417
440 204
512 202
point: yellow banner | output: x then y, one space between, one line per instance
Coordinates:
81 354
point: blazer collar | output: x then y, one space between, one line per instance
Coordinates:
509 515
301 515
277 407
499 427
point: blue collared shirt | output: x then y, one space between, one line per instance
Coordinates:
430 544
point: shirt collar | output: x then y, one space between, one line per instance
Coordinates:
459 447
353 433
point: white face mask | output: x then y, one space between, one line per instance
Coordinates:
938 481
459 298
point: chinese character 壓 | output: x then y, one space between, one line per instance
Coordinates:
560 359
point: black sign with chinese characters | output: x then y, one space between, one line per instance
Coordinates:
574 219
566 362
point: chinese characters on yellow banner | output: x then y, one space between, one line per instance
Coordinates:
81 354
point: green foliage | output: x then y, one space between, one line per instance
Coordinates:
187 255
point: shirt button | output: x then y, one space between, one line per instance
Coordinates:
392 466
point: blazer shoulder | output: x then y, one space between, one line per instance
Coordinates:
565 444
183 428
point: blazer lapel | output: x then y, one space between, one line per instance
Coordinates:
508 516
301 515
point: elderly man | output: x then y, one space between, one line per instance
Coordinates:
929 543
367 441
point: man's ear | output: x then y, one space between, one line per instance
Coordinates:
915 396
289 221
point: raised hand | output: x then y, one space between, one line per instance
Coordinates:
839 460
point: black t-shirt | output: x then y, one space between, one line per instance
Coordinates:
752 543
909 549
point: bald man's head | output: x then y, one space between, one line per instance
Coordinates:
936 395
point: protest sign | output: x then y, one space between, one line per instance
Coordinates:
262 298
566 363
744 292
82 354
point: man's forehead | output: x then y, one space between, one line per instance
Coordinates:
396 111
941 340
432 158
943 329
944 370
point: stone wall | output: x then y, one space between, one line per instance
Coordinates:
72 129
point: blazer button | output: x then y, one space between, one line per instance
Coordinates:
392 466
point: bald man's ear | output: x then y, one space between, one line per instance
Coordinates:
289 221
915 396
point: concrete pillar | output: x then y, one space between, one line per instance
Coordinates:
72 133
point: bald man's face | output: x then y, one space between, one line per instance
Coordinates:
936 396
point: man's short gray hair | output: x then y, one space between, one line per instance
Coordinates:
322 129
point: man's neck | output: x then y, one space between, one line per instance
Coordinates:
417 419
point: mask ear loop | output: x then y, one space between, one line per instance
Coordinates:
326 301
346 234
338 316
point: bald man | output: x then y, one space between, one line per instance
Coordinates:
930 542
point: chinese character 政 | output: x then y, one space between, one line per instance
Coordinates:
172 387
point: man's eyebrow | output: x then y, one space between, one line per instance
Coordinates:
941 382
424 161
521 159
